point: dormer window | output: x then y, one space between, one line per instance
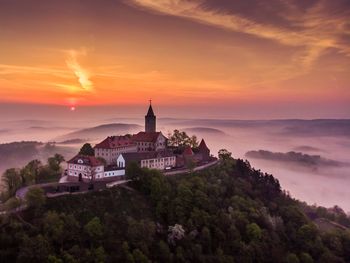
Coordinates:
80 161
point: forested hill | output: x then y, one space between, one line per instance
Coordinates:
229 213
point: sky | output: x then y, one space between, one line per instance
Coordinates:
207 58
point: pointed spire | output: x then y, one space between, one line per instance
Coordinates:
150 109
203 145
150 119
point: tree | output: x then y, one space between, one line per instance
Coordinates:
193 141
253 232
140 233
94 228
175 139
133 171
46 173
224 155
55 162
34 249
35 197
87 150
139 256
306 258
12 180
30 172
54 259
206 238
12 203
181 139
53 226
292 258
99 255
164 253
127 256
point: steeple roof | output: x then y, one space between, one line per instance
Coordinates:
203 146
150 111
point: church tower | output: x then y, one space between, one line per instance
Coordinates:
150 119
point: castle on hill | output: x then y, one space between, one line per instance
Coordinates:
148 148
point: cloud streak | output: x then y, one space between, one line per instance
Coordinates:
82 74
313 29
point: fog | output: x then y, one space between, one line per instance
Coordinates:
317 183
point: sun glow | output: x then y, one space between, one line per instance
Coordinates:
224 55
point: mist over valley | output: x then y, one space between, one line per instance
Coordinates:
322 180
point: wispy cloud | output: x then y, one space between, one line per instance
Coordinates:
313 29
81 73
6 69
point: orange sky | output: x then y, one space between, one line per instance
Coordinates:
178 52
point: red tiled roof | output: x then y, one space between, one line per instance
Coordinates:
188 151
85 160
145 137
112 142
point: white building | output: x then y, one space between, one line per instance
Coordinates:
152 160
110 148
84 168
89 168
114 172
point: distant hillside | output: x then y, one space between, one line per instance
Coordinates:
290 127
73 141
18 151
320 127
295 157
101 131
229 213
306 148
17 154
204 131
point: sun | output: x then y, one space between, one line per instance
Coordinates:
72 108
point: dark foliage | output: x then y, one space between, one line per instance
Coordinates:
230 213
87 149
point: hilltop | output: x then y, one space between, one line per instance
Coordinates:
228 213
204 131
100 131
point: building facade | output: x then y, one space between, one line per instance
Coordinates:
149 141
88 168
84 168
110 148
152 160
159 162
